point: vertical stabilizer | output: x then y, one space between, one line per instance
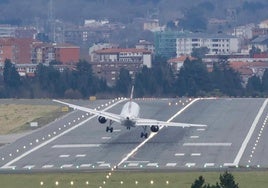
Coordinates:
132 91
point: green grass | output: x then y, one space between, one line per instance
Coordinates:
175 179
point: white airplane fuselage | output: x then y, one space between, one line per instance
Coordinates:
130 112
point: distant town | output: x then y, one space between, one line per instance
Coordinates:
63 45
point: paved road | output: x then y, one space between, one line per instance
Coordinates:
235 136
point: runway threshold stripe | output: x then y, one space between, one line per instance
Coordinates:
207 144
250 132
55 137
153 134
76 146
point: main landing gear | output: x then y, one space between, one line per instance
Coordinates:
110 128
144 133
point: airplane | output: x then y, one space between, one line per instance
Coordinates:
129 117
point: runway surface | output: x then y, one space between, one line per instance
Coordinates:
235 136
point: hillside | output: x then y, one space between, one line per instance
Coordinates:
24 12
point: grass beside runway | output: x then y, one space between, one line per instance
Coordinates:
246 179
15 118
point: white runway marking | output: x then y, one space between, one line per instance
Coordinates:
190 164
152 164
29 166
195 154
117 130
66 166
179 154
76 146
55 137
207 144
171 164
9 167
194 137
80 155
85 165
105 165
47 166
209 165
133 164
250 132
105 138
64 156
153 134
201 129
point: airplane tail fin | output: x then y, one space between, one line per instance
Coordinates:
132 91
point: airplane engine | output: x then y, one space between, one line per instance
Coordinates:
154 128
102 120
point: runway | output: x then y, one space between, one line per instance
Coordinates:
235 136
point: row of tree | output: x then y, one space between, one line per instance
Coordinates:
226 181
193 79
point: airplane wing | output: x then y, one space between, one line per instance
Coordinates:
150 122
107 115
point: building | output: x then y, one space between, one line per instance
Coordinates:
165 43
177 63
264 24
18 50
260 42
126 55
108 62
67 53
43 53
216 43
7 30
143 44
100 46
46 52
110 70
245 32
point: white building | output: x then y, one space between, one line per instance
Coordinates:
217 43
245 31
264 24
126 55
100 46
143 44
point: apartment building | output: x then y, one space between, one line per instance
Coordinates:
18 50
127 55
67 53
216 43
108 62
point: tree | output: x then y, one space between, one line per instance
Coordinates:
123 82
265 82
199 53
254 50
11 76
193 78
198 183
227 181
194 20
254 85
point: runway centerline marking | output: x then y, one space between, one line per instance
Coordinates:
207 144
153 134
76 146
250 132
56 137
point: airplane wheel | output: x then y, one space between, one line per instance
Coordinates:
142 135
107 129
111 129
146 135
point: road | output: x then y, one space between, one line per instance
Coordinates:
235 136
